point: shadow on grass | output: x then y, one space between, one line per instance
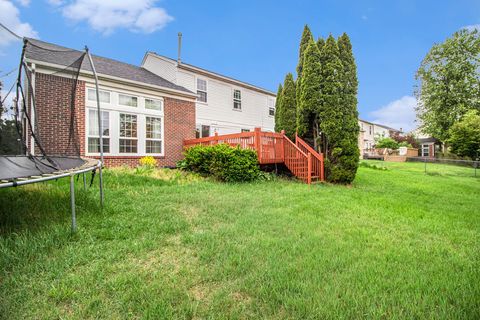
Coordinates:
33 207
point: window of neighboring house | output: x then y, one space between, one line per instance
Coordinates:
237 99
104 96
128 133
271 112
370 130
153 142
153 104
126 100
245 130
425 150
93 136
202 90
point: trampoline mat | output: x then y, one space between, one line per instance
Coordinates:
14 167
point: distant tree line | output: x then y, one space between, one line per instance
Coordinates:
9 144
320 105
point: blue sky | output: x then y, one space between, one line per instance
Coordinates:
254 41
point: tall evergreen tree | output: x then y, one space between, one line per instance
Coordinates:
347 160
320 43
309 84
288 107
278 109
307 37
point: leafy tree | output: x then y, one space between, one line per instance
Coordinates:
448 83
288 105
310 96
465 136
9 143
307 37
386 142
278 110
407 140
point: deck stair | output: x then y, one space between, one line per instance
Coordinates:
273 147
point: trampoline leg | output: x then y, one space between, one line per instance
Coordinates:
72 203
84 182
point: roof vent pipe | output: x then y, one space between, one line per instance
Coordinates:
179 60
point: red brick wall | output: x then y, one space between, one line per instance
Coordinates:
54 112
179 120
53 96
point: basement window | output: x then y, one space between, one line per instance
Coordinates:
237 99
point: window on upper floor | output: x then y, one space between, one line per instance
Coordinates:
271 111
126 100
202 90
237 99
104 96
370 129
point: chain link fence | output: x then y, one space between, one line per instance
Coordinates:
443 166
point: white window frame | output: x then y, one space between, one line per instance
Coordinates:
152 99
201 90
128 95
238 100
161 139
88 135
95 95
427 147
270 109
128 138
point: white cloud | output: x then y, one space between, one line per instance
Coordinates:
397 114
10 17
55 2
108 15
24 3
364 17
472 27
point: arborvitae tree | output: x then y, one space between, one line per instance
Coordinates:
309 99
320 43
307 37
347 160
288 106
330 116
278 109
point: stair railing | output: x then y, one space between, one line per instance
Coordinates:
297 161
317 158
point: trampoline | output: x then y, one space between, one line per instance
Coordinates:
45 155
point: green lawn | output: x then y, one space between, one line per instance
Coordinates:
397 244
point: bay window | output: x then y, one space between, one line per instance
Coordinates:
153 142
128 133
93 136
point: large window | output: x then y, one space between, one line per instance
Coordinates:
425 150
202 90
128 133
237 99
126 100
153 104
202 131
93 136
104 96
153 142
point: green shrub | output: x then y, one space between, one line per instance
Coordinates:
387 143
405 144
222 162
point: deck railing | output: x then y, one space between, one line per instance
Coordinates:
317 158
302 160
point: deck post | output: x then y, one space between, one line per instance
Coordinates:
309 168
257 143
322 165
283 145
216 138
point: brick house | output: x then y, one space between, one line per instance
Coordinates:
142 113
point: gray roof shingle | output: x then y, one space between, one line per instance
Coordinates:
52 53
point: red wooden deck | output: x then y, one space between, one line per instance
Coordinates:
271 147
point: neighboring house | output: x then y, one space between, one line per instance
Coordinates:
429 146
370 131
143 113
224 105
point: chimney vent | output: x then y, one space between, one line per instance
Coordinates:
179 59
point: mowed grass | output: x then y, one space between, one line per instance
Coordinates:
396 244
